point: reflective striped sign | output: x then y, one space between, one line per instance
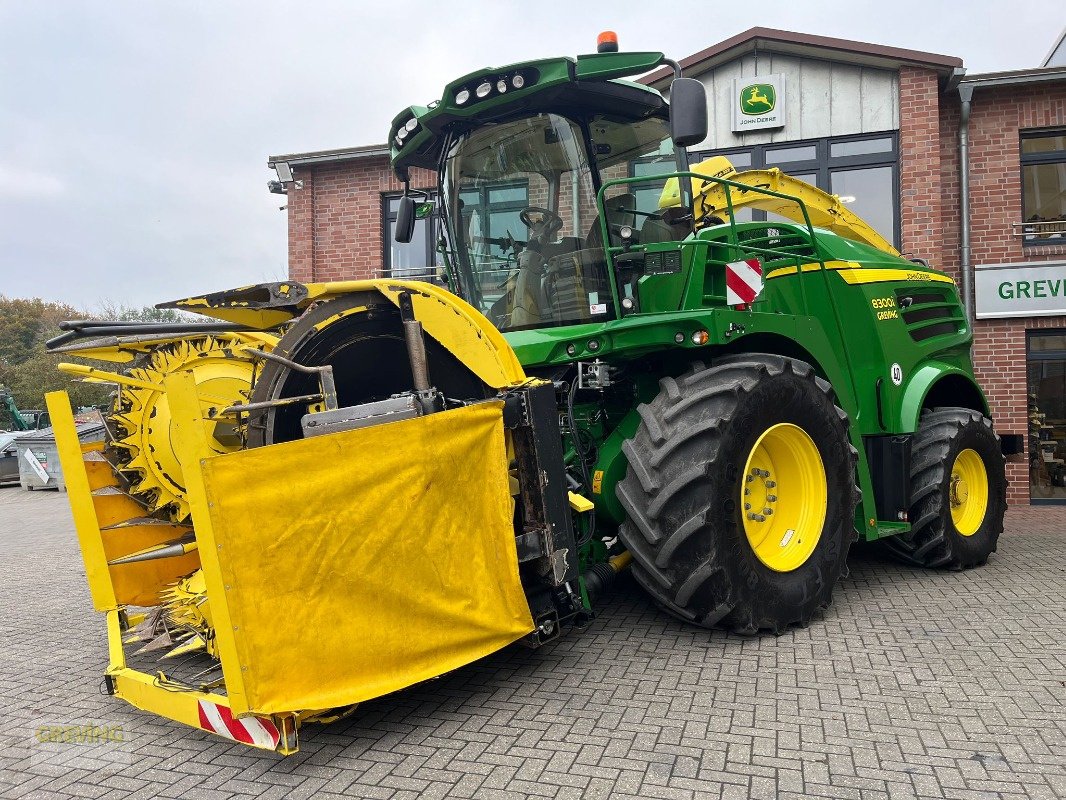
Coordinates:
256 731
743 281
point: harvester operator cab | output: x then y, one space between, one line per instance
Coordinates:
526 156
525 228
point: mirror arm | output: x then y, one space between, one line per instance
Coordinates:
680 153
685 184
673 65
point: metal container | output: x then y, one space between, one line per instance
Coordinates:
9 458
39 466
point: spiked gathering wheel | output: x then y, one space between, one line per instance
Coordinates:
181 624
141 417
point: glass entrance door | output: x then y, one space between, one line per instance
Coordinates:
1046 402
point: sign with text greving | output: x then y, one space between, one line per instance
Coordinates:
1032 289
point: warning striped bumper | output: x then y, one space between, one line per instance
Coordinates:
256 731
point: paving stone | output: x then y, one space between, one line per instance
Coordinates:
914 684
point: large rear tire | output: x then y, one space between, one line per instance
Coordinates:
760 431
958 492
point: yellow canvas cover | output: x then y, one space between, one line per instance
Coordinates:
347 566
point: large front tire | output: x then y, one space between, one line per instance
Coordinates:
958 492
762 431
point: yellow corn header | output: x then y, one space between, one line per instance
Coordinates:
290 581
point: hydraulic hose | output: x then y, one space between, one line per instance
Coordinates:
579 451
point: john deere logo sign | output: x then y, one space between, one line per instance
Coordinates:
759 98
759 103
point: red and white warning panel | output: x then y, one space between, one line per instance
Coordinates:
743 282
256 731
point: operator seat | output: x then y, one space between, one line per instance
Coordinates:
529 301
669 225
565 246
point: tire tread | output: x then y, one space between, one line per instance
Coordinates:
929 543
690 414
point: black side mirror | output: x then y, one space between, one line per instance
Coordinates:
405 220
688 112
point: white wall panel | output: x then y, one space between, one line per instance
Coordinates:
845 99
825 98
879 108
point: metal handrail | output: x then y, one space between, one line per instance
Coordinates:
730 186
1038 229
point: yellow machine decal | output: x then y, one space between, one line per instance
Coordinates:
884 308
330 600
814 267
869 275
852 273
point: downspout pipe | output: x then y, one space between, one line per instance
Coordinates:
965 267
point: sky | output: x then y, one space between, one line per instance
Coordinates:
134 134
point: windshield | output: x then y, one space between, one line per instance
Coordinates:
630 149
520 200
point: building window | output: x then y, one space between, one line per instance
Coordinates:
491 212
1044 187
417 259
648 193
780 156
491 223
1046 379
870 193
862 170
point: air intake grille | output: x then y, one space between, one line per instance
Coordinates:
929 313
662 263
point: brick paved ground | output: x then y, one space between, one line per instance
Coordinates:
915 684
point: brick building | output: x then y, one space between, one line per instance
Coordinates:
880 126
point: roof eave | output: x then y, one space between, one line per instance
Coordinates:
791 43
321 157
1016 77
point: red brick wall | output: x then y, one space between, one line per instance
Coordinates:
997 116
335 220
921 220
950 204
930 216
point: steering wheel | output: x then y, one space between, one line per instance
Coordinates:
546 227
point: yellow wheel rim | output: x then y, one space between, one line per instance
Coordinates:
968 492
783 497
